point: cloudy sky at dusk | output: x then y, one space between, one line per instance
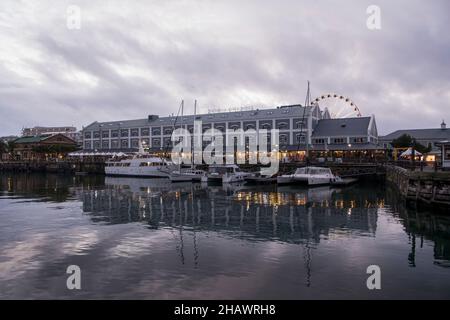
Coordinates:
131 59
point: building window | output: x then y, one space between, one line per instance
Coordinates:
145 142
447 153
124 133
87 144
124 143
96 134
300 138
105 144
283 138
205 128
115 133
167 142
135 143
283 126
339 140
319 141
87 135
115 144
134 132
299 124
168 130
105 134
96 144
358 140
156 131
156 142
145 132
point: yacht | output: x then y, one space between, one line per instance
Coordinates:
310 176
227 173
140 166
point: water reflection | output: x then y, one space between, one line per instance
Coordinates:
152 232
291 215
421 224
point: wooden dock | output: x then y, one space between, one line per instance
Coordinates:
431 188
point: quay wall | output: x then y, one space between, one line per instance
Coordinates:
97 167
432 188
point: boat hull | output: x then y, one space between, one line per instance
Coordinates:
135 172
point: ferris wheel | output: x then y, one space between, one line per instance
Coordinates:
337 106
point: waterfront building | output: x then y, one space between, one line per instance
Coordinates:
300 129
69 131
7 139
295 123
426 137
346 138
444 153
43 147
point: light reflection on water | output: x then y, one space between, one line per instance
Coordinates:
144 238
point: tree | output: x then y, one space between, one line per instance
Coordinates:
10 146
406 141
3 148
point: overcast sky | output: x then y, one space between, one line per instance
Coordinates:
134 58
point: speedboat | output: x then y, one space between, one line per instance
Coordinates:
227 173
311 176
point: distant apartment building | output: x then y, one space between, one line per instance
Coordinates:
299 128
70 132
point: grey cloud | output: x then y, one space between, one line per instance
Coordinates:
145 57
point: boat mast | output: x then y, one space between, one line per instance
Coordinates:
307 105
181 154
192 144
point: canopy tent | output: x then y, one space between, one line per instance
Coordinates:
409 153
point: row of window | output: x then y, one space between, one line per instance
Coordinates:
156 131
156 142
340 140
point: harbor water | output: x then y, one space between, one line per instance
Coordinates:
136 238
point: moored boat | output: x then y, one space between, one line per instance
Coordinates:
227 173
184 175
140 166
311 176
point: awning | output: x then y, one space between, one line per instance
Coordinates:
409 152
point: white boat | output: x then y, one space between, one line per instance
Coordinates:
227 173
140 166
310 176
184 175
258 178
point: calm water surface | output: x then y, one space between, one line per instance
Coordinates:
148 239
